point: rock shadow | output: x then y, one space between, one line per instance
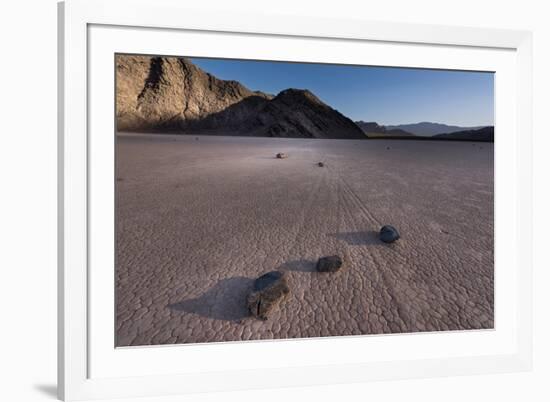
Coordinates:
364 238
302 265
224 301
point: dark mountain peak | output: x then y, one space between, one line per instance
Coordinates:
300 113
298 95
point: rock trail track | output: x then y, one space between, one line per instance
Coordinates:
199 220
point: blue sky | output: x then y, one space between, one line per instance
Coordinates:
382 94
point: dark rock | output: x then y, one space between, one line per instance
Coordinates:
389 234
320 164
269 290
331 263
282 155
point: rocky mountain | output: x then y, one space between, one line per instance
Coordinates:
171 94
374 129
430 129
299 113
486 134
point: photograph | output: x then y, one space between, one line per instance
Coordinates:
241 201
269 200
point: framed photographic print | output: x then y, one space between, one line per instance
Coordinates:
263 200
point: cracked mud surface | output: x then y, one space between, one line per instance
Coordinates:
199 218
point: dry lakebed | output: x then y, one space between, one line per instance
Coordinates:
199 218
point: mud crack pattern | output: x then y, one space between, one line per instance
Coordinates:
197 220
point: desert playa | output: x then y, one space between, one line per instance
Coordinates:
199 218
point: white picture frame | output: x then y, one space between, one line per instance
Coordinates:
90 367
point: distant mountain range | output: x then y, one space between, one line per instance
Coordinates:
374 130
426 128
486 134
171 94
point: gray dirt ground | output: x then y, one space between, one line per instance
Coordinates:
198 218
